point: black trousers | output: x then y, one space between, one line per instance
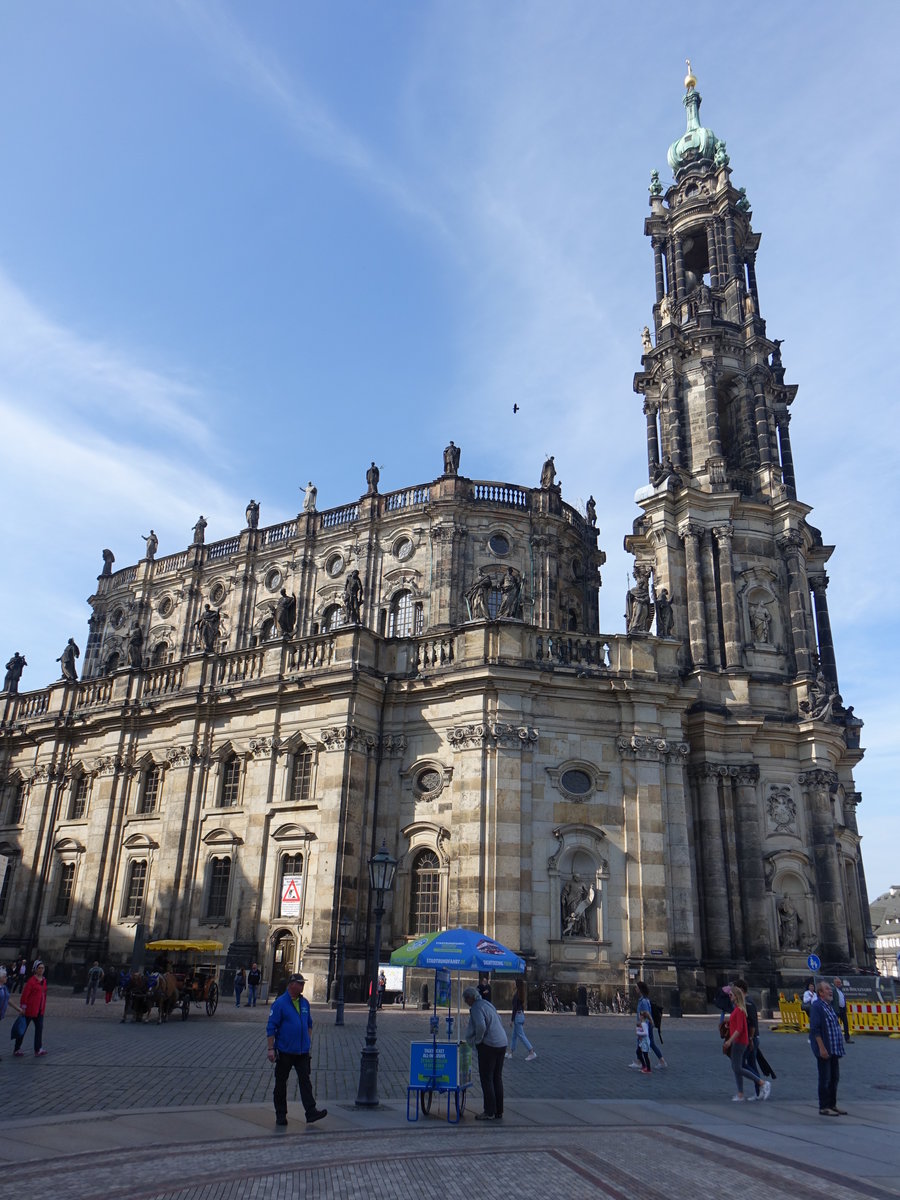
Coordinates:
284 1064
490 1072
829 1077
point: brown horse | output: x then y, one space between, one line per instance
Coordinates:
164 994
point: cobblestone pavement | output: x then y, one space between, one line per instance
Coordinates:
184 1111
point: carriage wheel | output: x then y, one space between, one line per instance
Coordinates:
212 999
185 1008
426 1098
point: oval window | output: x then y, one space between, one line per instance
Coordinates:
579 783
165 606
499 543
428 781
217 595
403 549
273 579
335 565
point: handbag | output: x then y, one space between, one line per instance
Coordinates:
18 1027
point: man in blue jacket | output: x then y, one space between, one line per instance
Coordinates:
288 1032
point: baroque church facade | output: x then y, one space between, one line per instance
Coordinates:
424 668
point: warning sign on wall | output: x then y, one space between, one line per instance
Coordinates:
290 895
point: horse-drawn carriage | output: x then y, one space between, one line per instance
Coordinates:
185 974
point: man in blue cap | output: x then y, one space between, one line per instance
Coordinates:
288 1032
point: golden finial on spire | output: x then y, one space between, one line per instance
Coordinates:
690 80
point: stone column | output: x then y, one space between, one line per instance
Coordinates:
851 800
750 864
782 421
711 253
791 546
711 602
671 408
758 381
679 268
651 408
729 244
818 584
658 245
751 277
691 535
724 535
682 884
714 903
714 441
818 786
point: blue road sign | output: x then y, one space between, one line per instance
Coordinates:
814 962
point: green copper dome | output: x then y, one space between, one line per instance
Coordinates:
697 144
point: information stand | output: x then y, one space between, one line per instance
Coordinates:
442 1068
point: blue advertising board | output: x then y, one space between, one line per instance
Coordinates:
440 1065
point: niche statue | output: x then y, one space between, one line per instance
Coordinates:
286 614
207 627
577 898
638 609
353 595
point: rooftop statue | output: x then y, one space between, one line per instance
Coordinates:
200 531
451 460
108 559
14 669
67 661
152 544
309 497
252 514
372 477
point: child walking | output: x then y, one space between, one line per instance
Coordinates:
642 1033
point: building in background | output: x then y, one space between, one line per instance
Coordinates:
425 667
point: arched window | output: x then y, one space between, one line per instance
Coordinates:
137 883
406 617
217 894
160 654
301 775
231 782
150 790
112 663
79 798
331 618
6 888
17 804
62 905
425 894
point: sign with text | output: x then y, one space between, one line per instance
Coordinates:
290 895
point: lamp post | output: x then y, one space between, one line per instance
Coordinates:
381 878
343 932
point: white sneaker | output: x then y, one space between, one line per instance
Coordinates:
531 1057
508 1055
737 1099
635 1066
767 1090
750 1099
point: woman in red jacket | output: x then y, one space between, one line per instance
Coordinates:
736 1044
33 1002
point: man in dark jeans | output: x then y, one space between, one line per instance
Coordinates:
487 1035
827 1043
289 1042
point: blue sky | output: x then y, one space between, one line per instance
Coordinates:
245 245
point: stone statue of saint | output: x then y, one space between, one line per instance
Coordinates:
591 511
108 559
476 597
665 618
200 531
821 699
511 598
638 609
646 340
67 661
14 669
665 311
309 497
577 898
372 477
353 595
451 460
788 925
761 622
152 545
207 627
286 614
136 647
548 473
252 514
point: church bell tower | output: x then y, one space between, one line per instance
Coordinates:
724 532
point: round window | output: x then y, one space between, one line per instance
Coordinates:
165 606
428 781
273 579
117 618
335 565
217 593
403 549
499 543
579 783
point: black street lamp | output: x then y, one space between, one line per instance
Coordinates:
343 933
381 878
